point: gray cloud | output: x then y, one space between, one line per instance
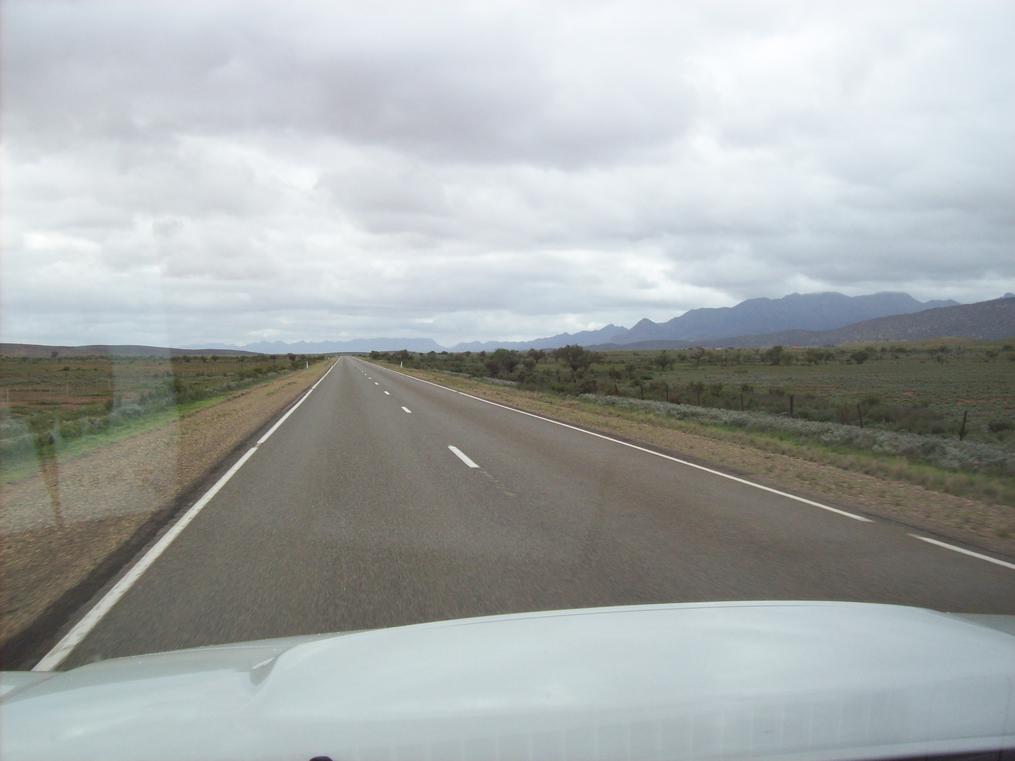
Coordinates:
227 172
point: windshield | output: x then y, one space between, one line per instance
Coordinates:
324 317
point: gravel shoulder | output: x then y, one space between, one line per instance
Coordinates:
977 523
71 524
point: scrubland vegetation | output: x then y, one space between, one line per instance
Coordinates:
49 402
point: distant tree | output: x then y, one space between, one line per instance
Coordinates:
813 356
859 357
774 355
697 388
663 360
745 390
504 361
574 356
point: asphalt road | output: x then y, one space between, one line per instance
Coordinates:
355 514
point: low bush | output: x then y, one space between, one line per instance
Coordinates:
947 453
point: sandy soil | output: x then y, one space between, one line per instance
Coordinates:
60 523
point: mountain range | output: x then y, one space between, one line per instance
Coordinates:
813 319
984 321
807 311
754 317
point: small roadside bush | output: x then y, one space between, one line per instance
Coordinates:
126 412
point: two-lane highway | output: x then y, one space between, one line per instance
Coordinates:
385 500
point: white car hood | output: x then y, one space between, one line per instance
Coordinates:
730 680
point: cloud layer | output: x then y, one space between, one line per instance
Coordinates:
185 172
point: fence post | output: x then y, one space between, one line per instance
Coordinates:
667 387
859 413
641 389
962 430
791 405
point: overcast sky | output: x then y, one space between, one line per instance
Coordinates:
186 172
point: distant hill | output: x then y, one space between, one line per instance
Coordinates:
808 311
353 345
583 338
985 321
100 350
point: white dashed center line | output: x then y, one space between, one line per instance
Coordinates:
462 456
387 393
406 409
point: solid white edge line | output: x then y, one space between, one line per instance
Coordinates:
82 628
407 410
971 554
702 468
462 456
293 409
285 417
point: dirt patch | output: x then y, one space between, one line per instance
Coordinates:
70 517
983 524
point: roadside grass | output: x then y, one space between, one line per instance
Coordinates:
26 464
992 488
638 423
59 408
